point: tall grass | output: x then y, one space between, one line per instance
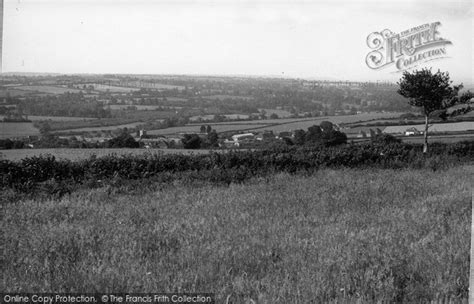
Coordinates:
394 235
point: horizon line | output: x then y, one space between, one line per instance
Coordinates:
263 76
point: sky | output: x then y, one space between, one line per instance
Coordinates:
279 38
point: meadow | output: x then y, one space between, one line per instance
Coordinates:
347 234
139 107
120 119
14 129
55 118
114 89
47 89
439 139
69 128
196 128
211 117
13 92
223 97
280 113
131 88
435 127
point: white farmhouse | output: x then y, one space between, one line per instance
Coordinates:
412 131
241 137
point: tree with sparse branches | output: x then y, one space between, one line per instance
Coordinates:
434 95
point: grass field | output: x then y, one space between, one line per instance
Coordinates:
14 129
211 116
48 89
13 92
392 235
139 107
55 118
115 89
280 113
122 89
291 124
177 99
436 127
196 129
440 138
223 97
103 128
163 86
275 125
121 119
336 119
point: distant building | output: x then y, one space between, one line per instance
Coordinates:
362 134
241 137
161 143
412 131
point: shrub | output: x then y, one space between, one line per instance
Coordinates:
191 141
124 140
385 139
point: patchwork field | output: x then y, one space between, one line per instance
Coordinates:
367 235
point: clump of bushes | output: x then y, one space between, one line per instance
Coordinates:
325 135
124 140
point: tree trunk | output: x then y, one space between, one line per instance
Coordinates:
425 144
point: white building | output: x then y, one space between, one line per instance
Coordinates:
245 136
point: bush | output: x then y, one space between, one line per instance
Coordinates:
191 141
124 140
385 139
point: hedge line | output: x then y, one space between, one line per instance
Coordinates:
230 166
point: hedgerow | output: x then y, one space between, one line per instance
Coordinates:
227 167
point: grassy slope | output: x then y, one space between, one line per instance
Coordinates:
395 235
